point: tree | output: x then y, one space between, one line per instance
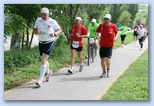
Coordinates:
28 13
116 10
125 18
133 10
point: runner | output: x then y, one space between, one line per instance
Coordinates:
123 33
78 32
92 33
109 34
141 33
46 28
136 27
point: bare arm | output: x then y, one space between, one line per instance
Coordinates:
116 36
82 36
57 33
36 32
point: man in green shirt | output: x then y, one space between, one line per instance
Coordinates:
123 33
92 32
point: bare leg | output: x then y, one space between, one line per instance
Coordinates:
80 57
72 57
103 64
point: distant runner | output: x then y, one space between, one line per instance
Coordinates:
141 33
136 27
123 33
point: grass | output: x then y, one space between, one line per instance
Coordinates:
133 84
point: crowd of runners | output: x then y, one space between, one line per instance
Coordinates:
48 29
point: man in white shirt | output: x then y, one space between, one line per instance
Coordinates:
47 29
141 33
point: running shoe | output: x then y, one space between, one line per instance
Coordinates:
48 77
103 74
70 71
81 68
39 83
86 57
107 73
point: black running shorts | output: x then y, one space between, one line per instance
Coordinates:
123 37
45 48
105 52
141 39
135 33
79 49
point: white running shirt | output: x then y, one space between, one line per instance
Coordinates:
141 32
46 28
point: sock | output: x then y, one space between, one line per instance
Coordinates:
42 72
108 69
81 64
47 69
141 45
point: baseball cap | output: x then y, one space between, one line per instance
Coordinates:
78 18
107 16
45 10
141 25
93 20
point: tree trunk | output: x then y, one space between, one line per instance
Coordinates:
27 41
23 37
15 41
31 40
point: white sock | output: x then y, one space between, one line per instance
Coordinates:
47 69
81 63
42 72
72 68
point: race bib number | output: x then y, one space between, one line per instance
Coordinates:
75 44
91 40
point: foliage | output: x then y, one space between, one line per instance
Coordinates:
125 18
132 9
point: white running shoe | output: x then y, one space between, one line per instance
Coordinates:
141 49
81 68
39 83
103 74
48 77
71 71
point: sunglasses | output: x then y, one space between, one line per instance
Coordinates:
106 19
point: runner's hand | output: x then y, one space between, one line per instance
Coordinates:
77 35
51 35
115 39
36 31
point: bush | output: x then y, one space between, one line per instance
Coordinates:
14 59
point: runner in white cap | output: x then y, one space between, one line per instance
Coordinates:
141 33
46 28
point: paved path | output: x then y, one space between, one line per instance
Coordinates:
86 85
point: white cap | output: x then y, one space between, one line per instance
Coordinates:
45 10
141 25
93 20
107 16
78 18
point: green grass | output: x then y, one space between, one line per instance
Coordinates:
128 39
133 84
